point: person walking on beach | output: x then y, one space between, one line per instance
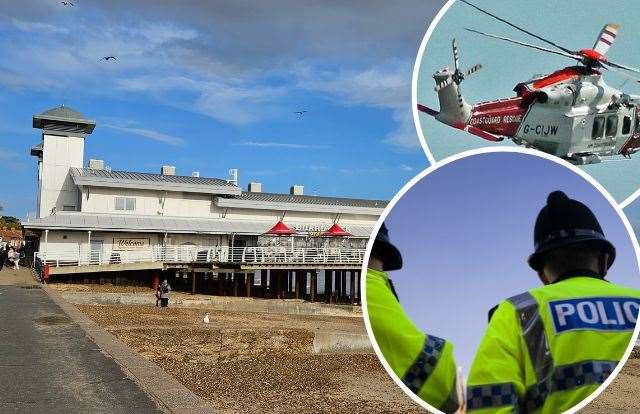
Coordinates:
14 257
162 293
3 255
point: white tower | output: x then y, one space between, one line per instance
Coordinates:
62 147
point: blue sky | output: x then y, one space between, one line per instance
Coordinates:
465 232
210 86
572 24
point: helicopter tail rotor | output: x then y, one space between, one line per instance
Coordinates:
474 69
453 108
458 75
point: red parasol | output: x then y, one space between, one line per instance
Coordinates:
281 229
336 231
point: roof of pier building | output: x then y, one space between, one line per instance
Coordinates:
161 224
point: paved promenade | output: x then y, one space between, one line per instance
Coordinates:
49 365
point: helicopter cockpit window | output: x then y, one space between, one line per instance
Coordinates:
626 125
612 125
598 127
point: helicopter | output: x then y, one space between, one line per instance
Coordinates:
570 113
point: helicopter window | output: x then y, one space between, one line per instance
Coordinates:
626 125
598 127
612 125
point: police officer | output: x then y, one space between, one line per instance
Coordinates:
424 362
546 350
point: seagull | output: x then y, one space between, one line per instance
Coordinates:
66 3
206 318
300 113
107 58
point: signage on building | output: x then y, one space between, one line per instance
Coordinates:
130 243
312 229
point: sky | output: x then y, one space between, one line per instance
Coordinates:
210 86
465 232
505 65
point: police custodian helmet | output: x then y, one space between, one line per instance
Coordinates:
387 252
563 222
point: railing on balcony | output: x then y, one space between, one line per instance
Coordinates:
205 254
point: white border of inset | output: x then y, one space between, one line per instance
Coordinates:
452 159
414 98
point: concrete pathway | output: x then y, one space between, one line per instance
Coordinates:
49 365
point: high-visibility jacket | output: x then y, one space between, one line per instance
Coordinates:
548 349
424 363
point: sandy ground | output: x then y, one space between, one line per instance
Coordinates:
252 362
95 287
623 395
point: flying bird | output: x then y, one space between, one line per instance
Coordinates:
107 58
66 3
300 113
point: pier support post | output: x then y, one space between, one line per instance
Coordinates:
263 282
248 283
193 282
297 280
344 284
314 285
155 280
235 283
328 285
353 287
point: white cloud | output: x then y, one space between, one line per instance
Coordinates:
237 104
381 87
404 137
386 87
40 28
147 133
161 33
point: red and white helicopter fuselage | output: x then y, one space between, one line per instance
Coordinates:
571 113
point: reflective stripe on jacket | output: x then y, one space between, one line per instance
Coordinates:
424 363
548 349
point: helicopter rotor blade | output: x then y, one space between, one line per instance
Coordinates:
564 49
517 42
456 55
444 84
623 74
606 38
619 66
474 69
